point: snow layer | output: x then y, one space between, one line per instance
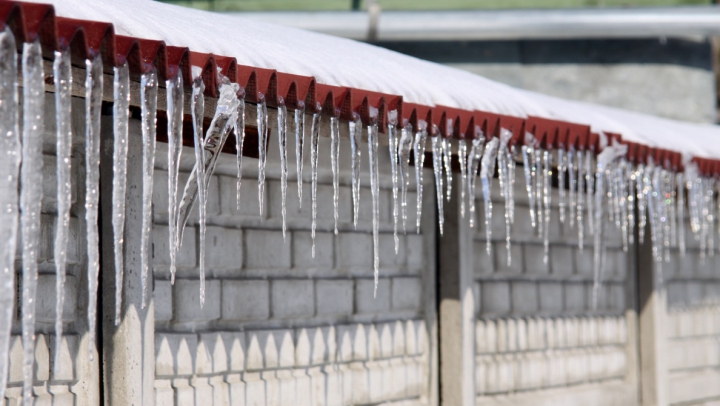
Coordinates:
344 62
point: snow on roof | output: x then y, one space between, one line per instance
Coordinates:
344 62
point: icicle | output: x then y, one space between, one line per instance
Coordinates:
672 208
282 145
486 174
590 185
710 216
404 147
656 205
630 181
355 129
262 126
93 106
63 119
547 197
175 102
665 212
622 198
239 130
474 158
447 159
581 198
512 165
572 185
642 200
334 158
375 189
31 200
528 153
539 191
680 183
121 112
393 150
437 151
419 154
314 139
562 171
197 107
504 162
9 175
148 101
299 144
608 154
462 157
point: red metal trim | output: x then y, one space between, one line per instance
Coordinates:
458 122
516 125
489 123
414 113
545 131
296 90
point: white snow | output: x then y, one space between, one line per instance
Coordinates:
344 62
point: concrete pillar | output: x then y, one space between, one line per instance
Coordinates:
128 350
652 305
457 304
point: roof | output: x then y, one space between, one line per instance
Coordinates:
339 76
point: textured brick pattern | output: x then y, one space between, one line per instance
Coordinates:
280 327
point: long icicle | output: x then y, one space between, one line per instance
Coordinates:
405 145
562 172
334 162
437 151
63 119
419 154
121 113
581 198
197 109
175 100
282 146
393 151
447 159
262 126
31 200
462 158
474 158
299 145
528 154
590 185
547 197
93 107
505 161
10 151
539 190
314 140
641 194
148 102
631 182
355 129
375 189
487 170
572 185
239 130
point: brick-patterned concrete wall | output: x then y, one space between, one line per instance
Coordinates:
70 385
282 328
537 337
692 326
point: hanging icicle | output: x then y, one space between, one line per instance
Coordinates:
148 102
562 173
680 183
581 198
419 154
10 151
263 133
175 102
504 162
572 185
404 147
539 191
314 140
393 150
437 151
474 158
462 158
282 145
197 107
486 174
334 158
239 130
375 189
31 179
63 119
121 113
528 154
590 185
355 129
447 160
547 174
299 144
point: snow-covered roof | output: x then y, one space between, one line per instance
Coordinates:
342 62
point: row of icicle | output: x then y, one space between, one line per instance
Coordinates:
603 188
